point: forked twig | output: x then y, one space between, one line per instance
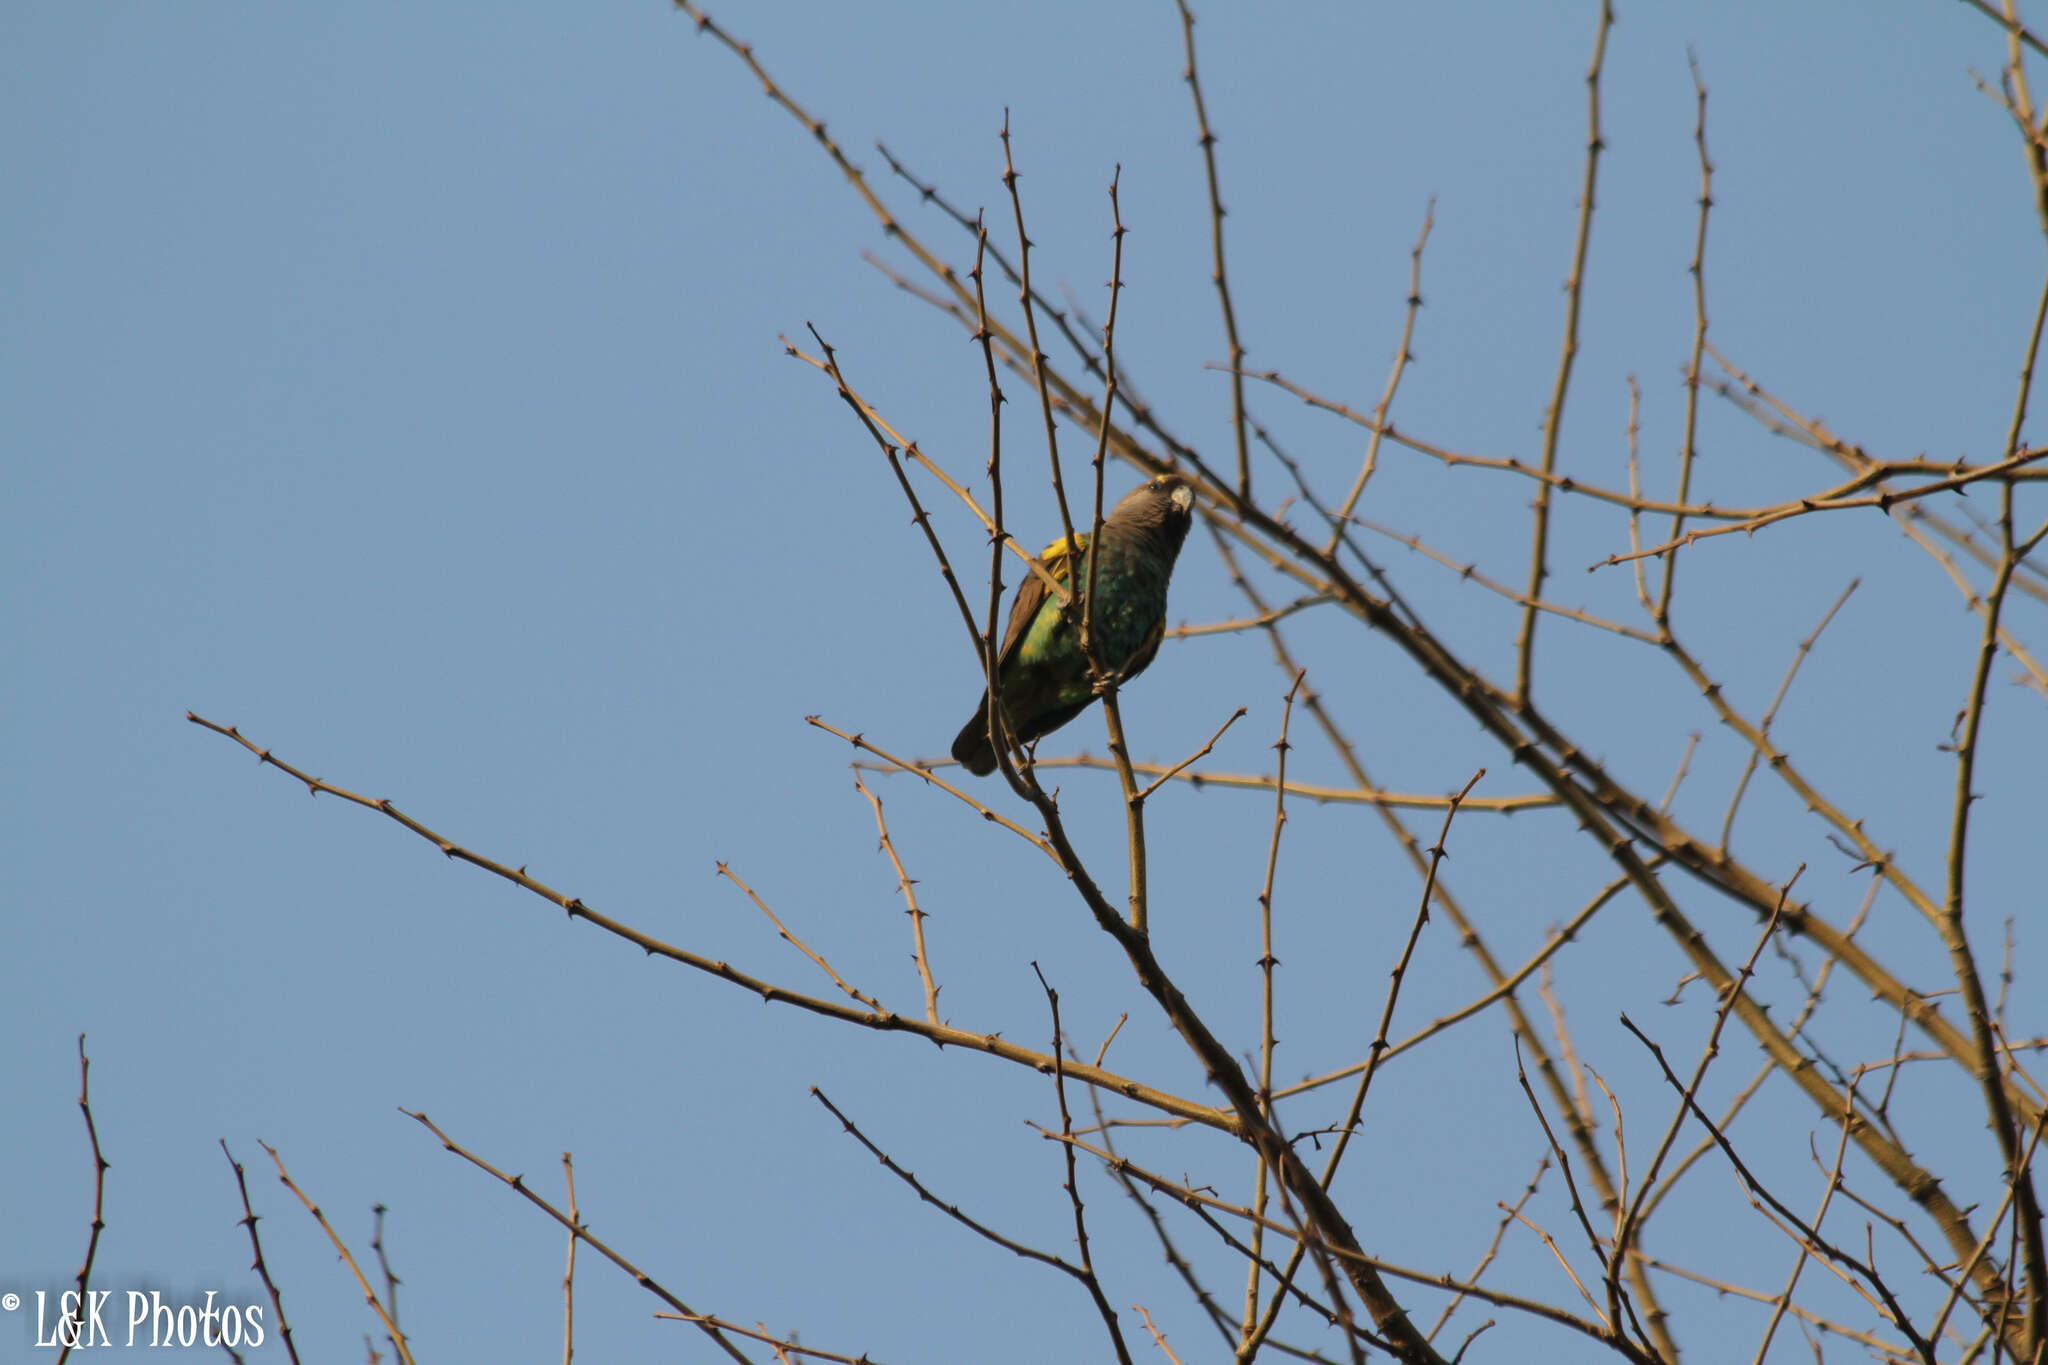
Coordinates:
988 1043
782 931
1843 1261
1081 1273
908 886
1087 1276
576 1228
1493 1247
1771 712
1632 1218
397 1338
1403 355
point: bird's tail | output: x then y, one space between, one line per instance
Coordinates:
971 748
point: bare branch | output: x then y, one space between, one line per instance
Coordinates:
1568 351
397 1338
259 1265
574 1227
71 1329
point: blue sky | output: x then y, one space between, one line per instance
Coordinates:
403 386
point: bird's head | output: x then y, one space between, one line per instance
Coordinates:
1162 506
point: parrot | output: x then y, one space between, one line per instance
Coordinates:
1041 667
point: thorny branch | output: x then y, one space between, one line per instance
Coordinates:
1644 840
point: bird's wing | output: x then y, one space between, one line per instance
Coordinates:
1146 652
1031 593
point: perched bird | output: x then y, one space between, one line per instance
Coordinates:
1042 670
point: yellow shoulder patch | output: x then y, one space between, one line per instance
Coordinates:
1055 555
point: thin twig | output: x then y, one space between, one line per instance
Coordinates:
1955 938
1568 350
782 1346
1840 499
908 887
1107 679
1321 795
1771 712
1611 1328
1182 1267
1377 1052
1403 355
1493 1247
952 1211
1158 1337
1244 623
1038 360
1194 1198
923 770
1166 775
2012 25
1467 931
397 1338
1687 1097
1805 1315
71 1329
1797 1226
991 1044
783 932
1268 1040
383 1264
1557 1254
569 1271
577 1229
1950 475
1218 276
1469 571
1698 270
1379 1048
259 1265
991 640
1088 1278
1955 1292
